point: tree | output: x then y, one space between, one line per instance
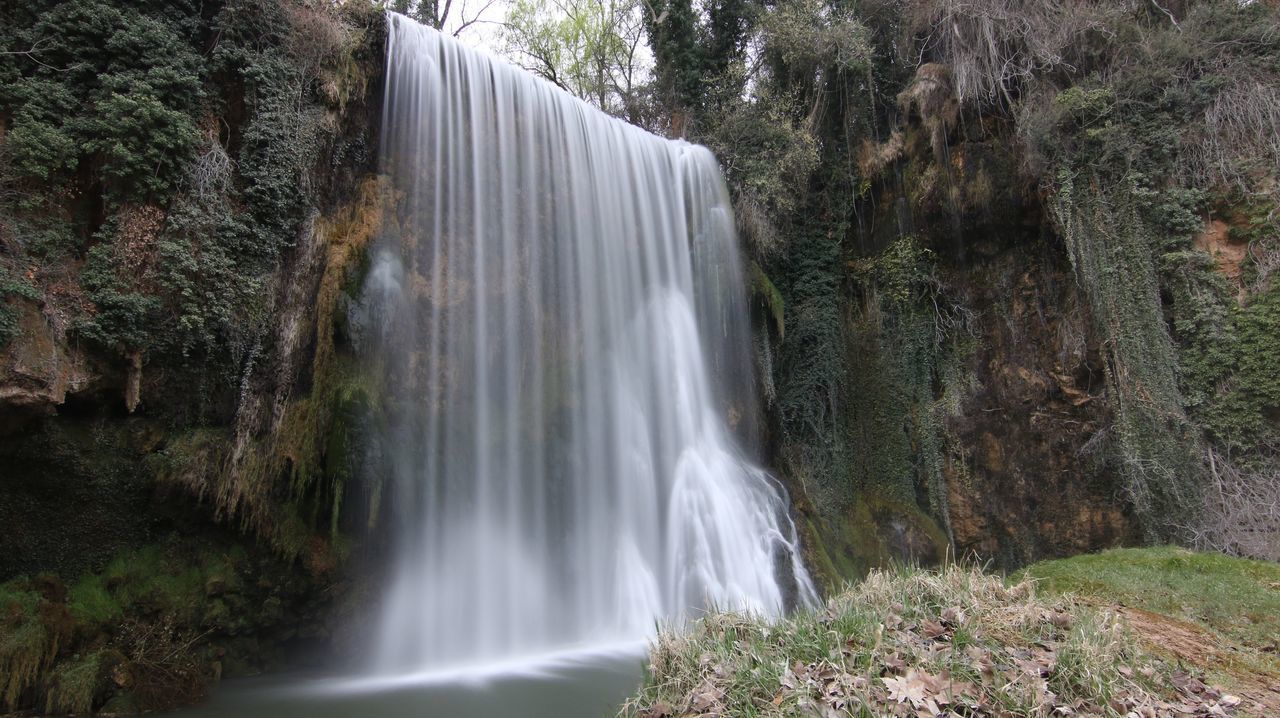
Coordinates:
440 13
593 49
672 27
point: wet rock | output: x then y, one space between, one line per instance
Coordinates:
38 367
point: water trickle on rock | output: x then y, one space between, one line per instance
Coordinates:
563 323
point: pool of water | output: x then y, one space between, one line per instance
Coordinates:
588 683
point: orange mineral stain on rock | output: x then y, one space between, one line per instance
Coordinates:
1216 241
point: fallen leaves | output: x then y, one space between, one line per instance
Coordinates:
974 648
928 693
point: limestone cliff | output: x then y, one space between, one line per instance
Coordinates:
176 375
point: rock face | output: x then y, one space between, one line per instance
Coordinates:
1012 416
1032 479
116 452
39 369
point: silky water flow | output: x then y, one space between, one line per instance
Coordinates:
563 325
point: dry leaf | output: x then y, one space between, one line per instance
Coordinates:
933 629
904 689
1059 619
894 663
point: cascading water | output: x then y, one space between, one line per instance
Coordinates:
554 300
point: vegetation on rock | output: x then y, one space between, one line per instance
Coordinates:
148 632
1126 143
1014 267
185 201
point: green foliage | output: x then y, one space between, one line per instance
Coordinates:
769 154
672 28
1201 310
109 87
1132 123
119 100
92 602
157 162
586 47
12 287
1134 149
1241 415
902 337
27 646
856 416
154 578
1111 251
142 143
122 319
1087 106
17 597
813 367
813 37
152 610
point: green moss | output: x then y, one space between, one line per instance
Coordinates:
17 598
875 532
90 602
158 578
764 288
144 608
289 483
905 344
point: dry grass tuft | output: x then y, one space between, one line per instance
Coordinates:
919 643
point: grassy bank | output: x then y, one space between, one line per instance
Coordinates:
1216 613
958 641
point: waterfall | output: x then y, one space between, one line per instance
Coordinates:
564 332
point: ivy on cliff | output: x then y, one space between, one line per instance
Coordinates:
117 120
1143 124
1139 120
159 163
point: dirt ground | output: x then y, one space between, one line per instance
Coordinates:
1193 646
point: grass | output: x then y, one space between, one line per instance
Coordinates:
917 642
27 646
144 579
73 685
26 649
17 597
1235 597
1218 613
90 602
53 651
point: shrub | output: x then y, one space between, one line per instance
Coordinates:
1241 512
